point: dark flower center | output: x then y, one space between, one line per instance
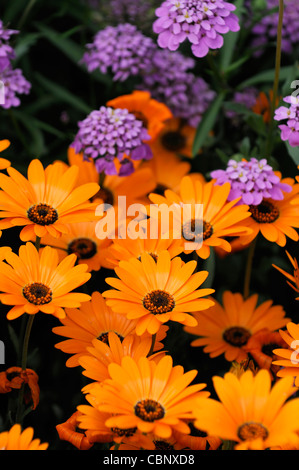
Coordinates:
42 214
124 432
37 293
268 348
236 336
189 231
106 195
104 337
149 410
163 445
160 189
173 141
264 213
158 301
83 248
251 430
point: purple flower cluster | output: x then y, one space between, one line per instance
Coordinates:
121 50
251 180
169 81
201 22
266 29
108 134
130 10
246 97
290 130
11 79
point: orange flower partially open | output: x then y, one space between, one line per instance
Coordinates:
15 377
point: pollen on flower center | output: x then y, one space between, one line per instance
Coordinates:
124 432
149 410
83 248
189 231
37 293
251 430
236 336
104 337
265 212
173 141
158 301
42 214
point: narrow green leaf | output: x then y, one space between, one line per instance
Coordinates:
293 152
207 123
230 40
268 76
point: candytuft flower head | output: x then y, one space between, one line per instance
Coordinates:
201 22
290 130
14 84
7 53
108 134
251 180
122 50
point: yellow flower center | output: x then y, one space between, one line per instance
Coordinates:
251 430
265 212
149 410
42 214
83 248
37 293
158 301
236 336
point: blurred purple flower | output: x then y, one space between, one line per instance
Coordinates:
251 180
246 97
201 22
14 84
122 50
110 133
290 130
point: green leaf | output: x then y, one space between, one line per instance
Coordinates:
62 94
268 76
293 152
207 123
230 40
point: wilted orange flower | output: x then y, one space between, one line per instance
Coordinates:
4 163
249 412
197 440
260 347
274 219
154 397
67 431
16 439
293 280
155 292
81 240
288 359
98 357
227 328
46 201
151 112
14 378
34 282
220 218
94 320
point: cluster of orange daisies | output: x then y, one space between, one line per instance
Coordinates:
136 397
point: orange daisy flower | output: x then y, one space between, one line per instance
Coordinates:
4 163
98 357
288 358
81 240
275 220
176 138
16 439
46 202
260 347
250 413
227 328
152 113
34 282
155 292
220 218
94 320
67 431
293 280
154 397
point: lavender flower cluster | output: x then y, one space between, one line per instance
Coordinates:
108 134
251 180
124 51
266 29
290 130
12 79
201 22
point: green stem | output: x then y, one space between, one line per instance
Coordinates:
276 79
248 269
25 14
